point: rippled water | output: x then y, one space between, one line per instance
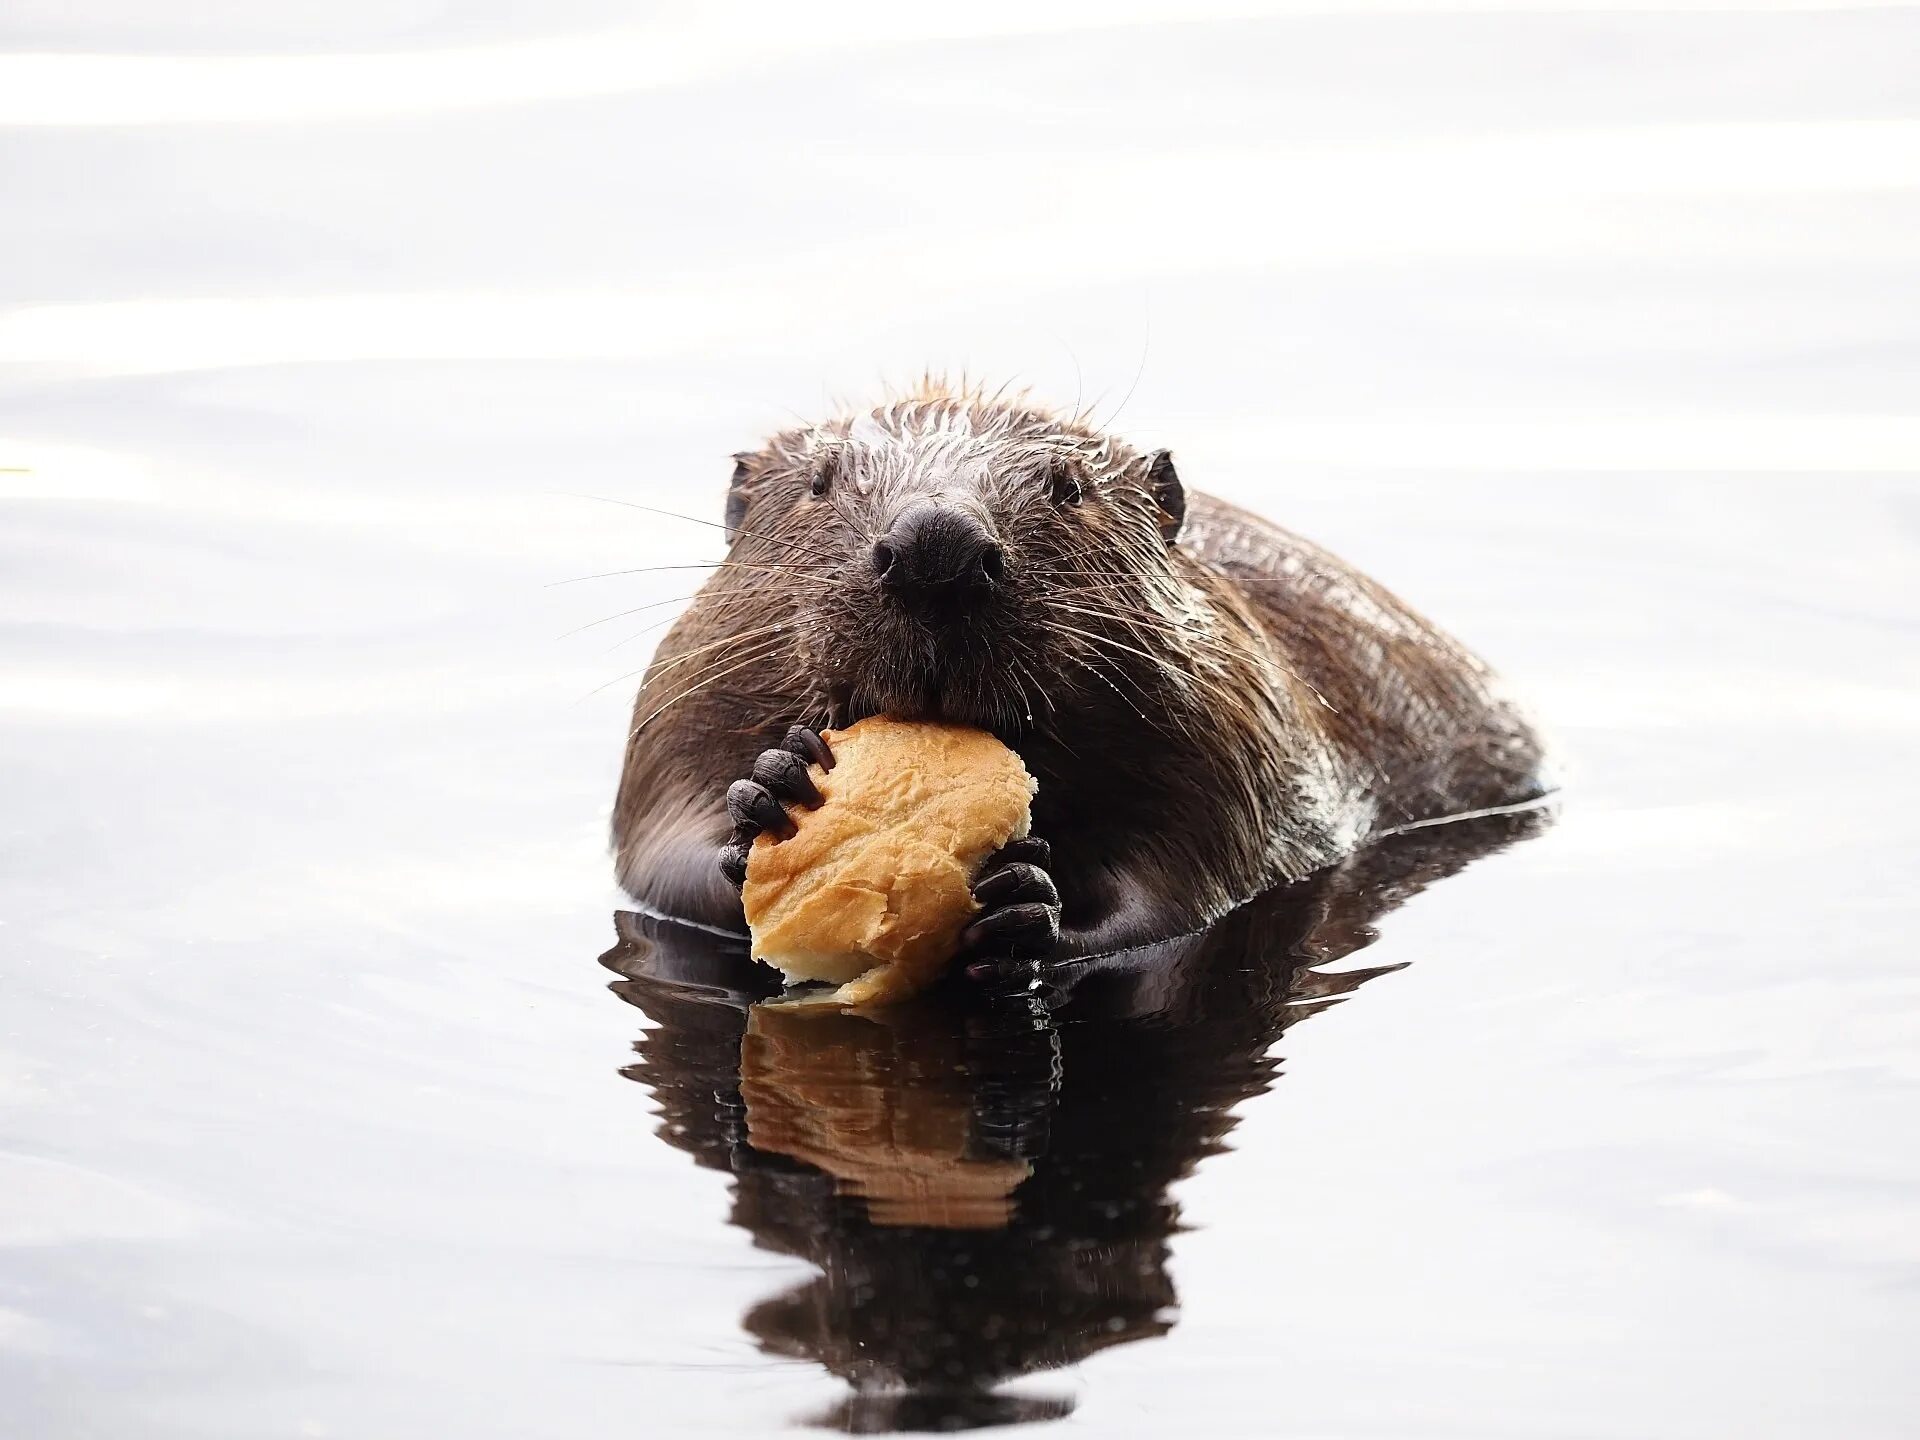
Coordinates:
339 1094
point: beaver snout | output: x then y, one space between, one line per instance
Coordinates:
936 554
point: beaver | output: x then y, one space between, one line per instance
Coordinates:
1212 706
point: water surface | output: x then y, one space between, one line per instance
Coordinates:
341 1096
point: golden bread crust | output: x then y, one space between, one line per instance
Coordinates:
875 886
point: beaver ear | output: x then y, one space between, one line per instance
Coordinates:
1168 493
737 490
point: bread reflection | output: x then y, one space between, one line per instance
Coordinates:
882 1103
984 1188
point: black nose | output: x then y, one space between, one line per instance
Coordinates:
935 553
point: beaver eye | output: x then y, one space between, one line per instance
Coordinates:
822 478
1064 484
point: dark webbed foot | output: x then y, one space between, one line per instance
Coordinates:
780 779
1018 929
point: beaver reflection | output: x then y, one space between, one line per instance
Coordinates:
983 1185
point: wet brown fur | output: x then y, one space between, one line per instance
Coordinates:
1206 718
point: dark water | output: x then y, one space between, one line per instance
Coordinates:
338 1097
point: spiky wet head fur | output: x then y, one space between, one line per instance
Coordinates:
1083 520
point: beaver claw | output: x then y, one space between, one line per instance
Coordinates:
780 778
1020 922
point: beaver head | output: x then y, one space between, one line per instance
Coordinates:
957 556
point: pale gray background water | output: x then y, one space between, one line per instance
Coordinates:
1597 334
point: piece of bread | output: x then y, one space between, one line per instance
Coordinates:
872 891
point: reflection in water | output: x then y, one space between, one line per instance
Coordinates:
982 1184
885 1105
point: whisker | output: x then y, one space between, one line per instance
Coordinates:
701 594
1109 588
643 630
1196 642
1074 574
696 520
1098 675
764 651
1142 623
753 659
1020 687
1192 643
1146 342
1136 618
809 571
1167 667
622 614
1026 668
737 638
651 671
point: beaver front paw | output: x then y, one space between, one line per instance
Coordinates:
1019 926
780 779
